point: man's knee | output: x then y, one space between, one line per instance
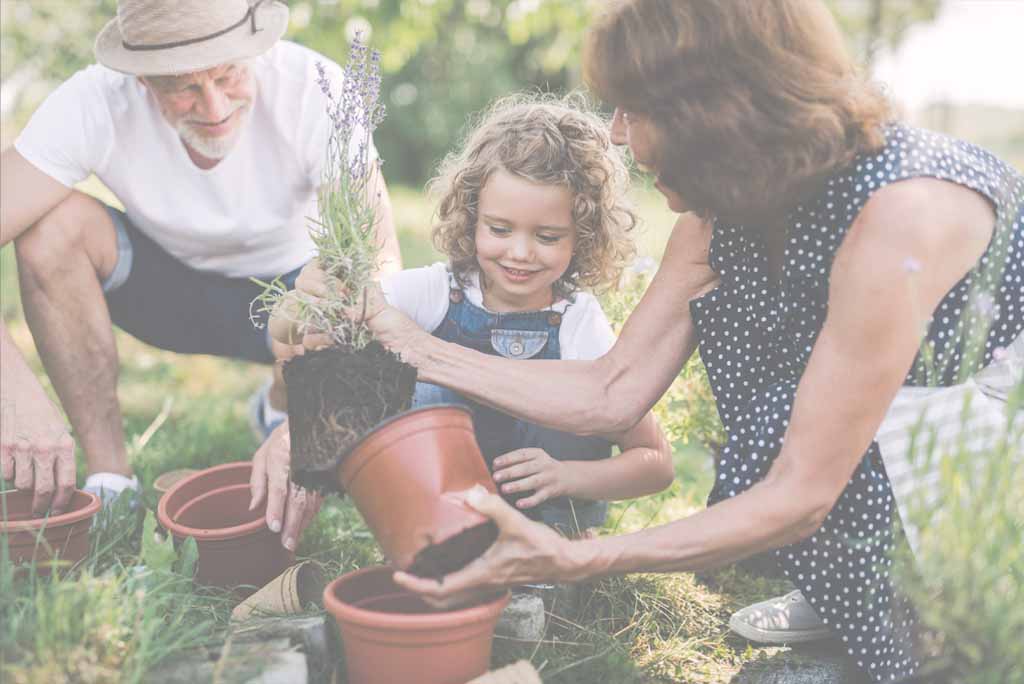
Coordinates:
77 228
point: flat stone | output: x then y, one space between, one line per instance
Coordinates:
268 662
269 650
818 663
523 618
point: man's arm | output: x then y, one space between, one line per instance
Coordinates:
36 449
26 194
390 252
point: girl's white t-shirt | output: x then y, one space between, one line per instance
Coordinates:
422 294
247 216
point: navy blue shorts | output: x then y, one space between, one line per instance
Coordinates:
167 304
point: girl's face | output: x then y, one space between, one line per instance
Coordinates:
525 237
637 131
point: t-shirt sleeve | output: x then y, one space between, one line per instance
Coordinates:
318 120
420 293
586 333
71 134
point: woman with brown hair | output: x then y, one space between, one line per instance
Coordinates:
818 242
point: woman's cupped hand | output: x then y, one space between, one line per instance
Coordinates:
525 551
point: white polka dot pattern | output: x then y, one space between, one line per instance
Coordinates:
756 337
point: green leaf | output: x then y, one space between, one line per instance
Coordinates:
188 556
157 551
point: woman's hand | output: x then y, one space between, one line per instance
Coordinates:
533 469
391 327
290 508
524 552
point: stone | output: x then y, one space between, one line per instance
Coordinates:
817 663
268 650
523 618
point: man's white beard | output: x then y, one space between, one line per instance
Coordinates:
209 146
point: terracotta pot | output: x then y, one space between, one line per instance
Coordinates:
235 545
391 635
64 537
401 477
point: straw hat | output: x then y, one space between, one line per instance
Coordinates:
163 37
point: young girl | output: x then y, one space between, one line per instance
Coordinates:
532 210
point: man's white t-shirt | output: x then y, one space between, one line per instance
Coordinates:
422 295
247 216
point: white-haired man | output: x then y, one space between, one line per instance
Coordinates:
212 133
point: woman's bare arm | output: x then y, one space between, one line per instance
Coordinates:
605 396
877 313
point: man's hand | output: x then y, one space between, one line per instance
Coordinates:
533 469
290 508
38 454
524 552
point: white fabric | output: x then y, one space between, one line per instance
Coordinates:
112 482
244 217
422 294
973 414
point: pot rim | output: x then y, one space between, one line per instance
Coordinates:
212 533
71 517
343 611
404 414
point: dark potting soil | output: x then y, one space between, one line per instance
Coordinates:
336 396
437 560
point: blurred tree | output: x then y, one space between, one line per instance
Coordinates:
443 59
871 25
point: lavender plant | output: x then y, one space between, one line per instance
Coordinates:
344 231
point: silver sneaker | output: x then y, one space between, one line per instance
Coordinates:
785 619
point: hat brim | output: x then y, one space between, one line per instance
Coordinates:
240 43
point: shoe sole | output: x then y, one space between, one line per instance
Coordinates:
761 636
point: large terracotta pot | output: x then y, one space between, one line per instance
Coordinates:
391 635
64 537
402 476
235 545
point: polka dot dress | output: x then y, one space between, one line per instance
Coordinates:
756 337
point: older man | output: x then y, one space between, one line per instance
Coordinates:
211 133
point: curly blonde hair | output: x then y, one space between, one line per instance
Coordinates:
548 140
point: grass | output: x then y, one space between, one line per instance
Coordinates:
110 621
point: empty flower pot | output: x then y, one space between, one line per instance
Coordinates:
403 476
235 545
62 538
391 635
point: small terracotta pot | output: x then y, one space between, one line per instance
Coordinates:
64 537
235 545
402 476
391 635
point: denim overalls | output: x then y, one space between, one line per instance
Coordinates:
529 335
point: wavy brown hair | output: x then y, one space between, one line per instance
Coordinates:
754 102
544 140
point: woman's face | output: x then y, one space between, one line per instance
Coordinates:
637 131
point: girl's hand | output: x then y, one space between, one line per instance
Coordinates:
523 470
524 552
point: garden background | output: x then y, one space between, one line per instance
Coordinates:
443 60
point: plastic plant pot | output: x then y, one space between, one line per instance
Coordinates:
390 635
236 548
403 477
54 541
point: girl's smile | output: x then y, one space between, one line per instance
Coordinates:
525 237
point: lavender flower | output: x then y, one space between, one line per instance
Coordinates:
344 230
